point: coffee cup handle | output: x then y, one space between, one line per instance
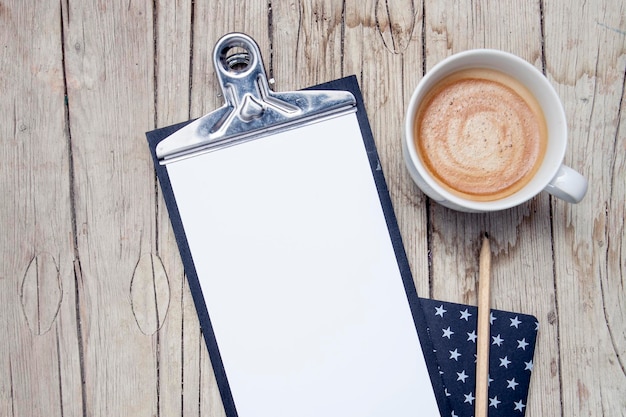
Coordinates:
568 185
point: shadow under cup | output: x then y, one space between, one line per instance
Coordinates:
536 83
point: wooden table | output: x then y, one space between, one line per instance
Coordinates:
96 316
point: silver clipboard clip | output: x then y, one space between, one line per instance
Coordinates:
251 110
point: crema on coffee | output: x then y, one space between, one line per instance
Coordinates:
481 134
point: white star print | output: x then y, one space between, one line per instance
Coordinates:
512 384
453 415
505 362
521 344
469 398
462 376
446 392
515 334
529 365
493 402
491 318
537 325
515 322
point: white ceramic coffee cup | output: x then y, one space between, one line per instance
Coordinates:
552 176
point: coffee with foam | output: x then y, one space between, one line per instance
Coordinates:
481 134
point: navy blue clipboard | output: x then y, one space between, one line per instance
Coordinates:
345 84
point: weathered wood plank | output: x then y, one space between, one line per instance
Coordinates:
110 87
521 243
586 60
307 43
38 371
179 338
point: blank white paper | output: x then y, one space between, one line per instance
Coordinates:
299 276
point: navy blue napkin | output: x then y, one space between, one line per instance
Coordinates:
452 329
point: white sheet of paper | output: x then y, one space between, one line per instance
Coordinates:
299 276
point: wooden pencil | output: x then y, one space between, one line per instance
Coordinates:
482 354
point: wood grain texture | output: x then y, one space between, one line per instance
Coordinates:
109 77
41 293
37 309
149 294
588 66
179 339
94 303
307 41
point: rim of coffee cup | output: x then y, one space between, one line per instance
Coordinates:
539 86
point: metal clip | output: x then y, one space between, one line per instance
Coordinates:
251 110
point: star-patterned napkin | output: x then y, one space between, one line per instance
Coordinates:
452 328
